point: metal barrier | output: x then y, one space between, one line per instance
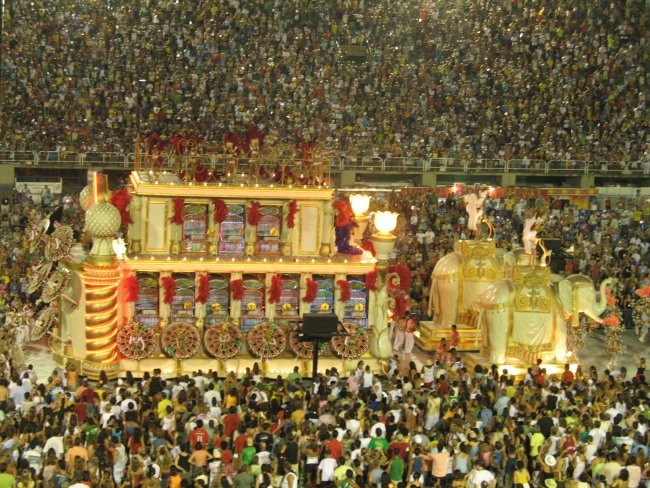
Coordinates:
567 166
392 163
443 165
485 165
342 162
527 166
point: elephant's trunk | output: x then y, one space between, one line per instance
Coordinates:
601 305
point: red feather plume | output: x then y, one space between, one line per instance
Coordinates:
404 274
254 215
169 285
344 285
131 288
237 289
612 321
179 207
343 213
220 210
611 299
291 214
367 245
120 199
371 280
311 292
643 292
204 288
276 289
400 306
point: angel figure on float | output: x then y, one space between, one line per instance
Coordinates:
530 240
474 204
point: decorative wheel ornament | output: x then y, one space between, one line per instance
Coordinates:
59 243
41 272
136 340
266 340
223 340
180 341
56 285
43 322
304 350
353 344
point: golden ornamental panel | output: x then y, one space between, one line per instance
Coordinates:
479 260
533 290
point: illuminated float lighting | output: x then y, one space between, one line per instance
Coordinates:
90 315
111 359
94 340
385 222
360 203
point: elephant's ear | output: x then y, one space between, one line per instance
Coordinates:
565 294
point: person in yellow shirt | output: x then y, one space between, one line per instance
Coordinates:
536 442
163 404
521 474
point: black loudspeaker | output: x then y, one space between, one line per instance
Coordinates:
320 326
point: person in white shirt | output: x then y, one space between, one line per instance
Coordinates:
211 393
478 475
367 379
326 468
55 442
352 424
119 460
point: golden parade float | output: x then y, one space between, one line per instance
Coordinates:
508 307
221 257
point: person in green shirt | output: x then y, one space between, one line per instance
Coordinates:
6 480
243 479
396 467
249 452
378 442
348 481
295 375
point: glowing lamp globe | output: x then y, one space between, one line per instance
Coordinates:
359 203
385 222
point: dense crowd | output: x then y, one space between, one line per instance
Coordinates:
482 79
440 426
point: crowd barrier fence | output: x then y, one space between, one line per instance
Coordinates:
341 162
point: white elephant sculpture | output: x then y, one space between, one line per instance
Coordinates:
458 279
530 312
444 289
577 294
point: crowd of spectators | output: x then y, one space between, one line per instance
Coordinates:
441 426
503 79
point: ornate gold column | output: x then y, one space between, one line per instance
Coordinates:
101 278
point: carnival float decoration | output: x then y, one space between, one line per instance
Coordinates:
210 259
510 306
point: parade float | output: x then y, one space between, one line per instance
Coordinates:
508 308
220 259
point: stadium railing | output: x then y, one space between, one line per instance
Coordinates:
342 162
